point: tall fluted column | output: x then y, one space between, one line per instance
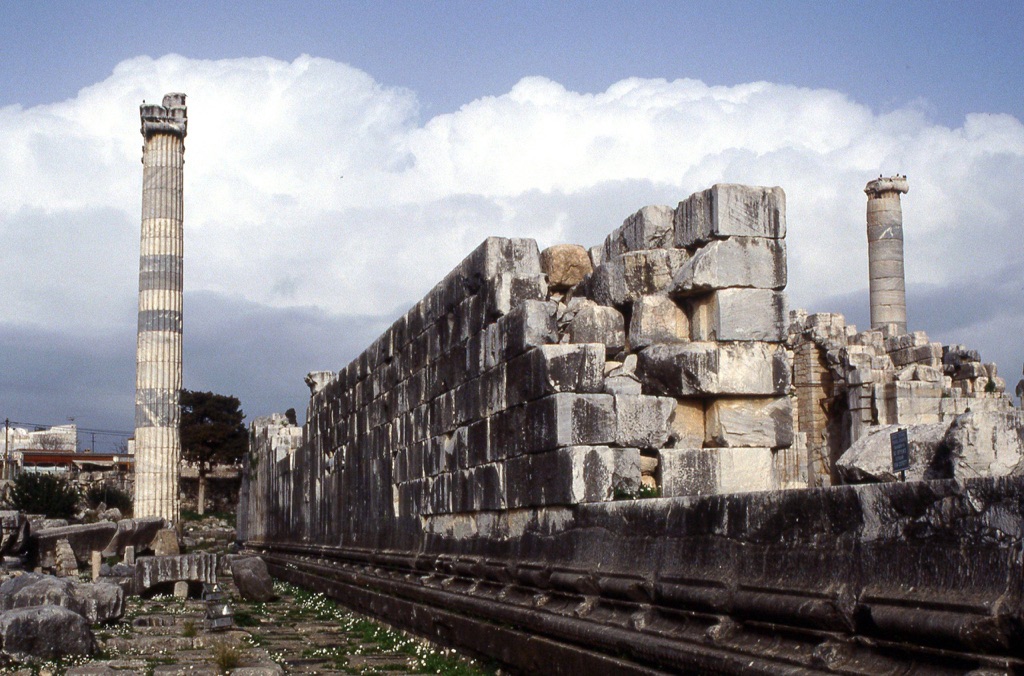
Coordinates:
885 252
158 360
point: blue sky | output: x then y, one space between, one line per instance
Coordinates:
450 122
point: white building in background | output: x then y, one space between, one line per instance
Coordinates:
56 438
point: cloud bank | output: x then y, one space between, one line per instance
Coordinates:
318 201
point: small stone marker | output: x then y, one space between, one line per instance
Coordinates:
166 543
900 452
181 590
97 561
129 555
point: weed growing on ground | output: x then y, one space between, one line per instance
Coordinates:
226 657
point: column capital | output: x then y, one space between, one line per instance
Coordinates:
171 117
880 185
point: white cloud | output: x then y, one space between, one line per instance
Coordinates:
309 183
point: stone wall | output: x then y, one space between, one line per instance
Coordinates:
473 474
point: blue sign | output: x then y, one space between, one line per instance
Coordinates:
900 450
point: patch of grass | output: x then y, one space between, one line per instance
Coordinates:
189 630
243 618
226 657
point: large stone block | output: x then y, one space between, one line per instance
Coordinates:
548 369
740 314
642 421
702 369
565 265
650 271
712 471
727 210
749 422
160 571
567 419
649 228
599 324
744 262
568 476
657 319
47 632
529 325
686 427
84 539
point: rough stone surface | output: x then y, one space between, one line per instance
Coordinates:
599 324
163 571
986 444
737 262
709 471
869 459
65 564
565 265
706 368
135 533
752 422
13 532
98 602
252 579
657 319
46 632
165 543
741 314
83 539
727 210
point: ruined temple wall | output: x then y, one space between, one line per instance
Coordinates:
660 364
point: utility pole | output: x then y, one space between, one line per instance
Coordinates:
7 437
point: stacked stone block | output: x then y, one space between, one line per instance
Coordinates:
700 290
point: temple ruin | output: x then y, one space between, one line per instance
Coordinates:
158 361
476 474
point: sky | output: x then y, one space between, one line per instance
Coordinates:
342 157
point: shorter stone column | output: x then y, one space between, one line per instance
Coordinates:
885 253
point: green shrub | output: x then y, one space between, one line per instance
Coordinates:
111 496
44 494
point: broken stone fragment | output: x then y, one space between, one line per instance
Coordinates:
565 265
869 459
47 632
253 580
687 425
649 228
649 271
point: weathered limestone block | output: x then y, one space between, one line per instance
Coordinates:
621 377
97 602
740 314
65 564
565 265
318 380
650 271
649 228
13 532
711 471
599 324
869 458
563 419
607 285
987 444
657 319
548 369
165 543
573 475
47 632
727 210
760 422
746 262
506 292
531 324
135 533
687 426
701 369
83 540
151 571
253 580
643 421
